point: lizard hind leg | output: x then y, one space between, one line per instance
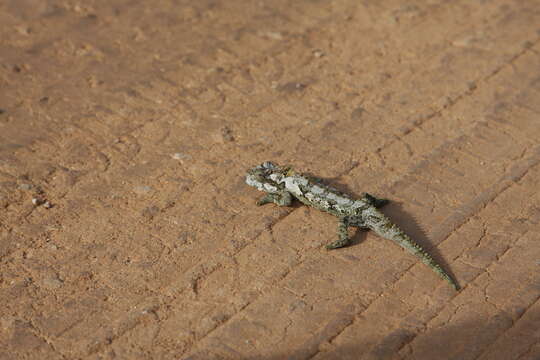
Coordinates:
377 202
343 234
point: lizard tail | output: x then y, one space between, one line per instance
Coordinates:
382 226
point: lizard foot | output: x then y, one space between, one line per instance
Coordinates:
338 244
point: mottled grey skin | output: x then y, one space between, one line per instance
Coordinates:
282 185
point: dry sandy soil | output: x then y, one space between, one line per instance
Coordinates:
132 123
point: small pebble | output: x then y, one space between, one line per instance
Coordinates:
227 134
52 282
37 201
25 186
318 53
47 205
142 190
274 35
180 156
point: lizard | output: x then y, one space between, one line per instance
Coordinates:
282 184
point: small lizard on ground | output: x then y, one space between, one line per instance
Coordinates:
282 184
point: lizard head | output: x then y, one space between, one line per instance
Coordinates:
266 177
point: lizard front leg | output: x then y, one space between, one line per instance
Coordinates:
282 199
343 234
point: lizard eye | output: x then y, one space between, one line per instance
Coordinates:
288 171
268 165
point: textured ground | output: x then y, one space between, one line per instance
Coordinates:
137 119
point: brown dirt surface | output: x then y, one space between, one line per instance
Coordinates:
126 128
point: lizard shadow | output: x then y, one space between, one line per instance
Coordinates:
405 221
442 342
